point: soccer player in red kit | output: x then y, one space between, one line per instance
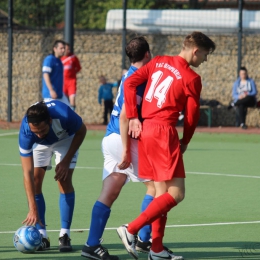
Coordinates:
172 86
71 66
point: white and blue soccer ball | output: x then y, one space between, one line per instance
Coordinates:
27 239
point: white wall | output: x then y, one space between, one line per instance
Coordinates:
164 21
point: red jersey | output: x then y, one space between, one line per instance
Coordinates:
172 86
71 66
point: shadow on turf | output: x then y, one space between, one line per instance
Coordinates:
231 250
237 250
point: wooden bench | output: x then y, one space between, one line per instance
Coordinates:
207 111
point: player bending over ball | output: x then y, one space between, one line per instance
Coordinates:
50 128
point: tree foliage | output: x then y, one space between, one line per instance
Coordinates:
88 14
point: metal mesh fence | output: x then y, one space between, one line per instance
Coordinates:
153 15
98 42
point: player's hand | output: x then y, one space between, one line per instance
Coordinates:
126 160
135 127
53 94
62 171
32 218
183 147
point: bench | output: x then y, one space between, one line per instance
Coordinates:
207 111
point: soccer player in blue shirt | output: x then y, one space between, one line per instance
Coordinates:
50 128
120 160
52 74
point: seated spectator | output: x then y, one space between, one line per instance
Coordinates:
244 95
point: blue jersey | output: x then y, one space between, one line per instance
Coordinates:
65 123
105 91
54 67
113 126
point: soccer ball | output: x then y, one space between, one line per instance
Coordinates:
27 239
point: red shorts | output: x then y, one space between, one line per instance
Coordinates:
160 158
69 87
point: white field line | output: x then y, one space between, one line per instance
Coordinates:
12 133
199 173
224 174
77 167
167 226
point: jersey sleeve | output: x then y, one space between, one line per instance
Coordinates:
47 65
192 110
130 89
77 65
26 140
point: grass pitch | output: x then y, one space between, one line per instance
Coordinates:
218 219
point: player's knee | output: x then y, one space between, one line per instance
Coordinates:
150 188
178 196
108 198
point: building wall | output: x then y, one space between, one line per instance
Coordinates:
101 53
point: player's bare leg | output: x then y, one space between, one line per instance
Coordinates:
39 173
175 187
72 100
150 188
166 193
111 188
66 186
143 243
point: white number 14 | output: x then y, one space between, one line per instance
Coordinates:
160 91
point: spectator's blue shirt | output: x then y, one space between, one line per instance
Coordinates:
238 89
113 126
54 67
65 123
105 91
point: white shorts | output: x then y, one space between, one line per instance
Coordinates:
112 149
42 154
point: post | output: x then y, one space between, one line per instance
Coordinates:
69 23
10 62
194 4
124 33
240 35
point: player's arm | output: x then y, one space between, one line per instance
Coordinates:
47 79
28 179
63 167
126 156
130 85
77 65
191 119
192 112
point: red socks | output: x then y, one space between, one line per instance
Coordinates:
158 207
158 227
